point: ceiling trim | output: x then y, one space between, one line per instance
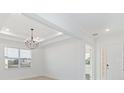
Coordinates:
14 37
49 24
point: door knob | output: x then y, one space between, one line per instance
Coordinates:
107 66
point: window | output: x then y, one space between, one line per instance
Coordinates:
11 58
15 58
25 58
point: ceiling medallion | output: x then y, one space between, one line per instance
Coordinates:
32 43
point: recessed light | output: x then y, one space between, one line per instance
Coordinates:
7 29
107 30
59 33
37 38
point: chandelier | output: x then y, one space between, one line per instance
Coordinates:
32 43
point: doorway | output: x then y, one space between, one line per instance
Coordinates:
112 62
89 62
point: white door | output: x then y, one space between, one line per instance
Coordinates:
115 62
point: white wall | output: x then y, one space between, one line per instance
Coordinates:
65 59
21 73
60 60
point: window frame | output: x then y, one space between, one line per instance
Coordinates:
19 58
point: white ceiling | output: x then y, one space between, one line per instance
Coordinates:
79 24
87 23
19 28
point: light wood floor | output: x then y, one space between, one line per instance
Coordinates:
39 78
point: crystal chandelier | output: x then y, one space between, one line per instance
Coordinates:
31 43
